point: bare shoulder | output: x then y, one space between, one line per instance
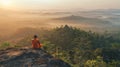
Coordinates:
37 39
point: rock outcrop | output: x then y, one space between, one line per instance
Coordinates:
27 57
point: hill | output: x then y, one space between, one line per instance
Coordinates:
26 57
77 47
83 19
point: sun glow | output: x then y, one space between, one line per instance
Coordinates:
47 1
5 3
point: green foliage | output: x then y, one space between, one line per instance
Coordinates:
95 63
5 45
80 48
114 64
116 45
77 47
110 54
49 47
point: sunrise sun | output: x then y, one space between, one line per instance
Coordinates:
5 3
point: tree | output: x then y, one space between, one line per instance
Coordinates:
95 63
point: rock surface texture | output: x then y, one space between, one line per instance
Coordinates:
27 57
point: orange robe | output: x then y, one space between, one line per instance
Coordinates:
36 44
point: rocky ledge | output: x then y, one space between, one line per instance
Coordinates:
27 57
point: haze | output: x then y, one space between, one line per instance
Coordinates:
63 4
85 14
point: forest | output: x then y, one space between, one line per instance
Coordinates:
77 47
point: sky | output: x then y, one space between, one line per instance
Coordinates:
60 4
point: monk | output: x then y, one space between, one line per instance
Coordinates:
35 43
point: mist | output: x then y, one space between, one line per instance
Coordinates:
95 20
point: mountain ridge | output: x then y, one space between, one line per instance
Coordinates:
82 19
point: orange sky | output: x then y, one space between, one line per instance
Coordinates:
60 4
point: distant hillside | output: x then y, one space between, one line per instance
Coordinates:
81 19
21 34
107 11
